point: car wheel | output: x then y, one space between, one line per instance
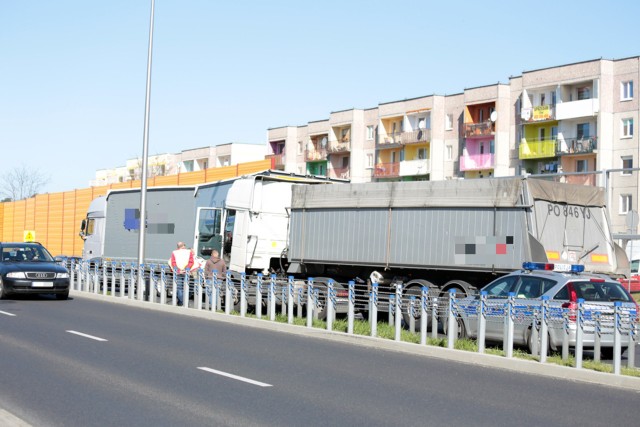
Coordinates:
530 343
63 296
462 331
3 293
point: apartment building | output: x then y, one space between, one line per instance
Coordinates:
575 119
191 160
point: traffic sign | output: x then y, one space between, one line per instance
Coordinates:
29 236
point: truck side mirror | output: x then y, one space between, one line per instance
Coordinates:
83 227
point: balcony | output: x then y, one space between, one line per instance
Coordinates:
539 113
339 146
584 145
478 130
392 140
415 167
576 109
471 162
340 173
416 137
314 154
277 161
387 170
536 149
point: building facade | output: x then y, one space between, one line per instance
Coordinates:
191 160
574 122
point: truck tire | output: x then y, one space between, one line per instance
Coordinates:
414 288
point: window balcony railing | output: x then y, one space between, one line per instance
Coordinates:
470 162
390 140
416 136
339 146
583 145
314 154
415 167
277 160
538 113
340 173
387 170
479 130
537 149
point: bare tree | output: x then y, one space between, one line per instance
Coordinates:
22 182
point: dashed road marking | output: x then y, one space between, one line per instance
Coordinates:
235 377
87 336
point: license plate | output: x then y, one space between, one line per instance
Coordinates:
42 285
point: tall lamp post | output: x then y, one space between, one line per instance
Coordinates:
145 161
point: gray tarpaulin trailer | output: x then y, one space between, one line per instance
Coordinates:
448 234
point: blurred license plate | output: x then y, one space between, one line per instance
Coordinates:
42 285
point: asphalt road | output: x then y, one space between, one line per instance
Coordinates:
90 363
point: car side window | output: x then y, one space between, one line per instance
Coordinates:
562 294
501 287
530 287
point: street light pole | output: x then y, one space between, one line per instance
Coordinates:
145 161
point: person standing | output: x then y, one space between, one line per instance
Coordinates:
217 264
181 262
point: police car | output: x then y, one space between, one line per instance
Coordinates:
564 285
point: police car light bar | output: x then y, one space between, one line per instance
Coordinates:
569 268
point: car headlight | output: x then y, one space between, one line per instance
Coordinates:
62 275
16 275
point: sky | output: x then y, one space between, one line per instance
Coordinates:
73 72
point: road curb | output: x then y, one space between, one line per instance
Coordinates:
478 359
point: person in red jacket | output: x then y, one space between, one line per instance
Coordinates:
181 262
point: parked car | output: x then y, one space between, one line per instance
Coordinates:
632 284
564 288
28 268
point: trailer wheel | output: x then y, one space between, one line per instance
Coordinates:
414 288
463 289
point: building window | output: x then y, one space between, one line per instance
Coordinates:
627 128
542 134
370 133
422 153
448 123
582 165
299 147
449 152
626 90
625 203
627 163
369 160
553 98
584 93
583 130
188 165
543 98
422 123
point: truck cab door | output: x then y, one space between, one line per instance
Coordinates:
208 231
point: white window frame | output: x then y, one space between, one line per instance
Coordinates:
369 160
625 204
624 159
448 122
626 90
370 132
449 151
626 130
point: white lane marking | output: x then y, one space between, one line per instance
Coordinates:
87 336
235 377
6 314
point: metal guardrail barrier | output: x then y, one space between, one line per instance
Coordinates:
544 325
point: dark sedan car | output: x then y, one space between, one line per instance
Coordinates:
28 268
